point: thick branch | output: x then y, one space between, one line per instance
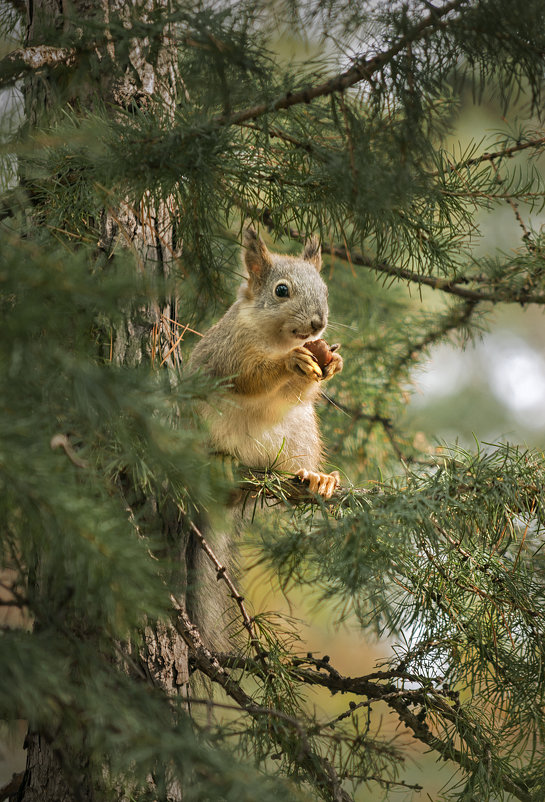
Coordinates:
362 70
18 62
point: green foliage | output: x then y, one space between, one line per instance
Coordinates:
125 728
103 462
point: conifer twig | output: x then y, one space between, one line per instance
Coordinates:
273 131
400 701
421 731
527 237
287 488
458 317
212 704
450 286
491 156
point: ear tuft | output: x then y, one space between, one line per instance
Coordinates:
312 252
256 256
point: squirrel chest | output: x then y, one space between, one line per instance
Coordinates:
266 430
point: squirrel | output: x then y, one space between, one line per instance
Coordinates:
262 347
267 416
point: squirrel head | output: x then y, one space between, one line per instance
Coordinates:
284 297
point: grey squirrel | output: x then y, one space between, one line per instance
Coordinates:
266 417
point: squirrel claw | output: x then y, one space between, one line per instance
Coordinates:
302 362
324 484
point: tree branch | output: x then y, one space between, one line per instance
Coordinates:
273 132
491 156
221 573
263 484
443 703
428 698
361 70
458 317
20 61
212 704
317 768
448 286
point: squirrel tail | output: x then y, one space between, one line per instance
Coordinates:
210 557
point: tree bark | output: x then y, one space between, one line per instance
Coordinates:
150 76
48 777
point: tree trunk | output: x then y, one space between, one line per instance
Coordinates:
51 775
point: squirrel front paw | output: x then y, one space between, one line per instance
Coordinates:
324 484
334 366
327 357
301 361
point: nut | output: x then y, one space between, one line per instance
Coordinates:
321 351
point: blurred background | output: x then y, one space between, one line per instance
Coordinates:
495 388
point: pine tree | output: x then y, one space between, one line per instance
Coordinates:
150 132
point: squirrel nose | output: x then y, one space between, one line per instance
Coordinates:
317 323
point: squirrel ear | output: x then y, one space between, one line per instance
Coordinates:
312 252
256 256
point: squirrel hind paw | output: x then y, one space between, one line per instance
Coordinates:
324 484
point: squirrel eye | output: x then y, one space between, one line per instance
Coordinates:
282 291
